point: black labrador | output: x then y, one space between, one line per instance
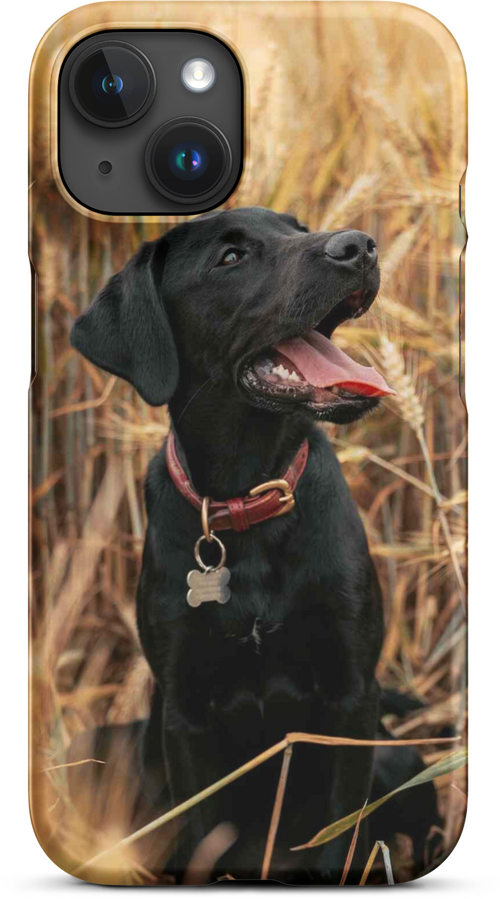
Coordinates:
227 319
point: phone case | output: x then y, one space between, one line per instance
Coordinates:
214 734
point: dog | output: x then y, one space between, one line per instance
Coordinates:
227 319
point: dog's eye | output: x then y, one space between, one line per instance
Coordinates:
232 257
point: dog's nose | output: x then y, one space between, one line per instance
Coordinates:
352 249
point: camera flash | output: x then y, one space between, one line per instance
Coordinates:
198 75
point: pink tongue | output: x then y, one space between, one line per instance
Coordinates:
323 365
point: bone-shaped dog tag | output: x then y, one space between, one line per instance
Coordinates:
208 586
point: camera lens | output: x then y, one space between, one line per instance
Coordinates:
112 84
188 158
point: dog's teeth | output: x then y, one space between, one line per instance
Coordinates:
281 372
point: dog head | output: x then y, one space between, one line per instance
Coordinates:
247 300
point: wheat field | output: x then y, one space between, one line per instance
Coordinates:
352 121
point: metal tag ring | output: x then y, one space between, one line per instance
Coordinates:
210 540
205 523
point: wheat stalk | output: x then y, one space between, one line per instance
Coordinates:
267 85
407 398
362 192
425 197
394 161
404 315
403 138
400 246
376 71
412 410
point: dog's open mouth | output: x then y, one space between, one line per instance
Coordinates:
311 369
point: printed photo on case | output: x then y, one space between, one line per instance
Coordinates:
248 472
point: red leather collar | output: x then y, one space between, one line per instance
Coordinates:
265 501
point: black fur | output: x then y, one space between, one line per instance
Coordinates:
415 813
295 648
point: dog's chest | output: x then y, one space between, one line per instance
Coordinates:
254 636
262 643
276 608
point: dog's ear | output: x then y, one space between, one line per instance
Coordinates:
294 222
126 330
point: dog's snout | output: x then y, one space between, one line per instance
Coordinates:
352 249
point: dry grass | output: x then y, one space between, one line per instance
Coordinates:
382 153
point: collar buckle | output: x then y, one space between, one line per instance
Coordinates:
288 499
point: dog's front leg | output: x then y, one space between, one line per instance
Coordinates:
190 758
181 746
